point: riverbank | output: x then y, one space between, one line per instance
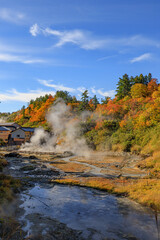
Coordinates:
121 175
137 179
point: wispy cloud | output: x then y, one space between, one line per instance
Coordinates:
110 93
21 59
105 58
86 40
81 38
79 90
142 57
11 16
48 83
8 48
14 95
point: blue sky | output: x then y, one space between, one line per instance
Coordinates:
74 45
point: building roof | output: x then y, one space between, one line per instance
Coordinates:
8 124
4 129
24 129
28 129
17 130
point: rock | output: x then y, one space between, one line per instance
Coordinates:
64 155
27 168
120 175
33 161
46 172
44 166
13 154
54 230
67 154
32 157
117 165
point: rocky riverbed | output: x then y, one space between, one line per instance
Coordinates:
46 210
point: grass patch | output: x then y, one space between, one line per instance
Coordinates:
70 166
93 182
144 191
10 229
3 163
152 164
8 186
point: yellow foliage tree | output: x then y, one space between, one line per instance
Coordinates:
139 90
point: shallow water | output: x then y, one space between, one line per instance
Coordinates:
95 213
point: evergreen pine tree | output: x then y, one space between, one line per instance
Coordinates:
123 87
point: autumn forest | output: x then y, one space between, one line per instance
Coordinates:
129 122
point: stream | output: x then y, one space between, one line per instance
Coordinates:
61 212
96 214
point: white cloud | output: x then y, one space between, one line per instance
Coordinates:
93 90
86 40
142 57
139 40
81 89
11 16
14 95
13 58
110 93
78 37
34 30
78 90
48 83
49 31
105 58
7 48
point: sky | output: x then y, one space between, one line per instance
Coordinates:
73 45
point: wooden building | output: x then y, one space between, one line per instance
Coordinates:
11 125
14 134
22 135
17 137
28 133
4 134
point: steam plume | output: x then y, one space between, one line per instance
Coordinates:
3 120
65 135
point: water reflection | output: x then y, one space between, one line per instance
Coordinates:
96 213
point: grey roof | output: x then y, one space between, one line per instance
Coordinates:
28 129
17 130
4 129
8 124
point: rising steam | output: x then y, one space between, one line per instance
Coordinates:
3 120
65 134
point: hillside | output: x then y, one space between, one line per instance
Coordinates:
129 122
